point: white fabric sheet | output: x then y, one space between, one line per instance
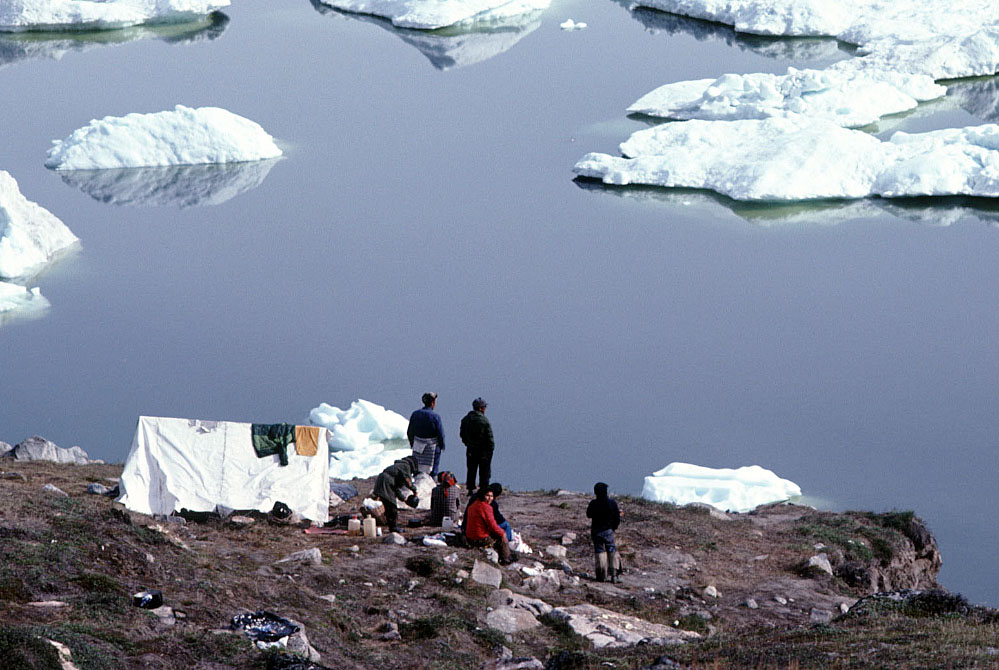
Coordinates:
198 465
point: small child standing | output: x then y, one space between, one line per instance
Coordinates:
606 517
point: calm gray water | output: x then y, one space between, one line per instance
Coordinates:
423 231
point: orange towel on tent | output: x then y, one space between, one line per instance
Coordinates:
306 440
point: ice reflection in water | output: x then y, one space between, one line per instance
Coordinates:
454 46
21 46
179 185
933 211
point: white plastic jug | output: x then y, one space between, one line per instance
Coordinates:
370 527
447 523
354 526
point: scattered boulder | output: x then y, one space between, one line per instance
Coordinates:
37 448
751 604
483 573
55 490
394 538
605 628
298 643
507 598
568 539
65 656
511 620
13 475
665 663
558 551
97 489
711 591
239 521
817 565
390 631
546 582
165 615
710 510
305 557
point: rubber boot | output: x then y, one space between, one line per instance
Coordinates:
612 566
601 566
617 565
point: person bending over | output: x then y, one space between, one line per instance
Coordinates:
392 484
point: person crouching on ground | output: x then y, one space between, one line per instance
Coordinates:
606 517
392 484
481 529
445 500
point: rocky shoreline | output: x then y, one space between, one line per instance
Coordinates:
697 585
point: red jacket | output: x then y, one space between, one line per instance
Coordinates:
481 522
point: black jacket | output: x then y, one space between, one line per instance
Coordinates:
476 431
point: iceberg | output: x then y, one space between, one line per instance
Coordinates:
803 159
364 439
434 14
455 46
184 136
50 15
180 186
30 235
17 47
733 490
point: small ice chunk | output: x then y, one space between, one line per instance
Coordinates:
14 298
735 490
30 235
184 136
37 15
797 158
433 14
569 24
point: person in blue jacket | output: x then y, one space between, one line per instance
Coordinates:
426 435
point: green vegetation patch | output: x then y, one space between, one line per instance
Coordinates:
21 649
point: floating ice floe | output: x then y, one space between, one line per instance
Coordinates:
569 24
734 490
184 136
455 46
21 46
839 94
802 159
15 298
433 14
21 15
179 185
363 439
30 235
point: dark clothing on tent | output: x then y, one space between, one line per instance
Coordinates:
391 484
272 438
477 434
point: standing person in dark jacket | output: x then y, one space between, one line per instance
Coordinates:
477 434
606 517
426 435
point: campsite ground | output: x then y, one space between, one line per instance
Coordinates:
90 554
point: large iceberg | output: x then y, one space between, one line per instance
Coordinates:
802 159
734 490
30 235
22 15
363 439
433 14
184 136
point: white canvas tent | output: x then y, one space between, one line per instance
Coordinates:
198 465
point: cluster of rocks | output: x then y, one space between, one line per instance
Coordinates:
37 448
